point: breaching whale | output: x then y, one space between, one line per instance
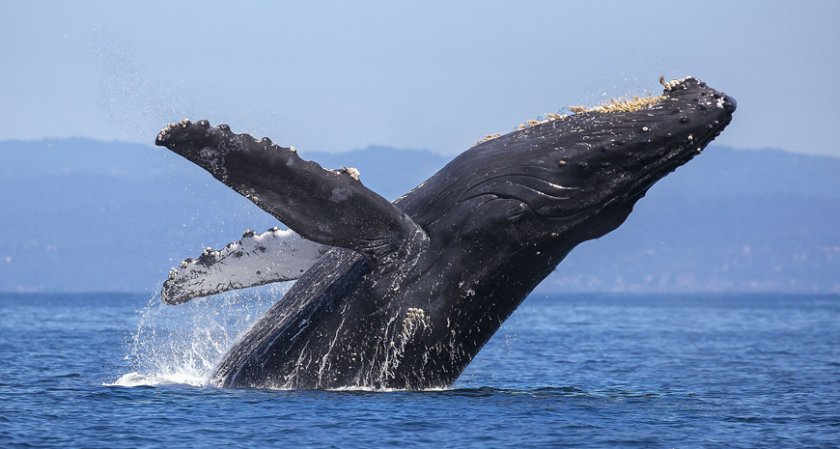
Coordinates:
404 294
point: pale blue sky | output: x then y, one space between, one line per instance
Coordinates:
437 75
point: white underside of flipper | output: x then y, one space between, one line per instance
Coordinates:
258 259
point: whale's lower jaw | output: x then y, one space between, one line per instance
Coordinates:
404 295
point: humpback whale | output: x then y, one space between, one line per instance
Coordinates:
404 295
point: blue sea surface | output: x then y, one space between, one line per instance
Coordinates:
669 371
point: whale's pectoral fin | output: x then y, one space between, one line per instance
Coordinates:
329 207
257 259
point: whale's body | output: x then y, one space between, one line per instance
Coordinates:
407 293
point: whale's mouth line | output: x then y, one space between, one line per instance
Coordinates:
664 166
657 170
636 188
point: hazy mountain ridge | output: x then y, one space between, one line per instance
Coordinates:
81 215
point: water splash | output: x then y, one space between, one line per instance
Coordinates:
182 344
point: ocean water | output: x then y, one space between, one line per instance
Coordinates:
728 371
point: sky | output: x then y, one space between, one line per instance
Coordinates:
435 75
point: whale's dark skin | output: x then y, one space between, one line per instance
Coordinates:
414 289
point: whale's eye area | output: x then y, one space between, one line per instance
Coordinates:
516 211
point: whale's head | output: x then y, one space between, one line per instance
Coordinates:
572 178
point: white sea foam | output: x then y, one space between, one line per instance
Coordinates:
386 390
182 344
135 379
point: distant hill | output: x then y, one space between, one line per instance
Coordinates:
83 215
